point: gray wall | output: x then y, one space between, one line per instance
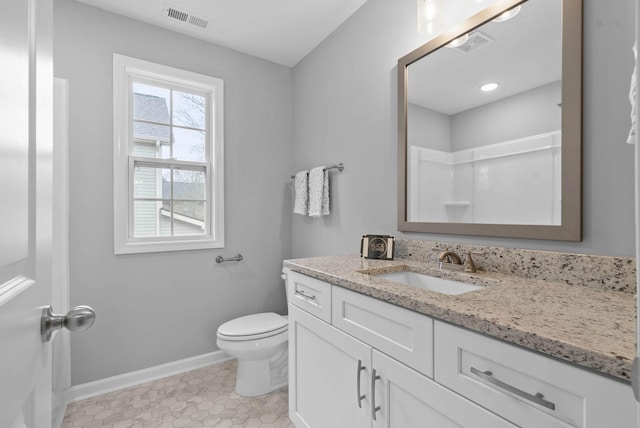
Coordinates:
345 101
428 128
522 115
156 308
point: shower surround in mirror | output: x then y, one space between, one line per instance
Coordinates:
510 183
488 164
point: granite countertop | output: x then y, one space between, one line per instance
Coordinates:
592 328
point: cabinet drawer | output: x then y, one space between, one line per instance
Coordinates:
398 332
310 294
524 387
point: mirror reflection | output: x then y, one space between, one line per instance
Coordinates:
484 121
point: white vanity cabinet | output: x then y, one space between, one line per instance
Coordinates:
353 380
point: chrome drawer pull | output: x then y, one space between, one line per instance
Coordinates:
305 295
374 408
538 398
360 396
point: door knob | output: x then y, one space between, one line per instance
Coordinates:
79 318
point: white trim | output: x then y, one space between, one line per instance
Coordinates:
124 68
127 380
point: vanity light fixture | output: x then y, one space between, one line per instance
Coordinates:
488 87
459 41
508 14
430 16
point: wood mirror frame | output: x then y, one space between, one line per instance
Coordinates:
570 228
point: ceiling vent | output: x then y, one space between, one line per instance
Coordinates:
179 14
477 40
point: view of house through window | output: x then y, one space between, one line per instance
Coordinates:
168 155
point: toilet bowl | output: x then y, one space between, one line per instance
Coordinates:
259 342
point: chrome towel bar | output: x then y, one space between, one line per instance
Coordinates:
338 166
235 258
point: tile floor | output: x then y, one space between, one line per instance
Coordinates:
201 398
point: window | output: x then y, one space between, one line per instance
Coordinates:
168 158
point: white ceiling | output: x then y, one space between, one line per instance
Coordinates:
282 31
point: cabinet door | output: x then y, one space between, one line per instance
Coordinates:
324 370
407 399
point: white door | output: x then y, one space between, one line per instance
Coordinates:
329 375
25 211
60 358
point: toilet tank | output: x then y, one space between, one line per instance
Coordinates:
285 275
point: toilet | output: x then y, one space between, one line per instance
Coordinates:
259 342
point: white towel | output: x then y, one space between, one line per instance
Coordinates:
631 139
301 202
318 192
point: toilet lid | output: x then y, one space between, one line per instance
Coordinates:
261 325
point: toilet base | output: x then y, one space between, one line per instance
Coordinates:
259 377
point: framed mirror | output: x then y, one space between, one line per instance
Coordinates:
503 159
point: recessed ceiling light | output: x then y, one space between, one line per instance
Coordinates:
488 87
508 14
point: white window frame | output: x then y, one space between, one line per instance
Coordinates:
126 69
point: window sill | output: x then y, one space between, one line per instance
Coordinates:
165 246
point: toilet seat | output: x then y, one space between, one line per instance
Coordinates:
252 327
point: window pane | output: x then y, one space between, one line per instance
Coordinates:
150 134
150 103
147 219
189 110
188 218
189 184
188 145
148 182
144 148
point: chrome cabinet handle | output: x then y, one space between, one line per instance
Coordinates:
374 408
360 396
79 318
538 398
305 295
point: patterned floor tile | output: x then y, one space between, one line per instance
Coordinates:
200 398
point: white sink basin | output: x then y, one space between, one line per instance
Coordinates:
431 283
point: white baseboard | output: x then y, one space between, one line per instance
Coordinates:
126 380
